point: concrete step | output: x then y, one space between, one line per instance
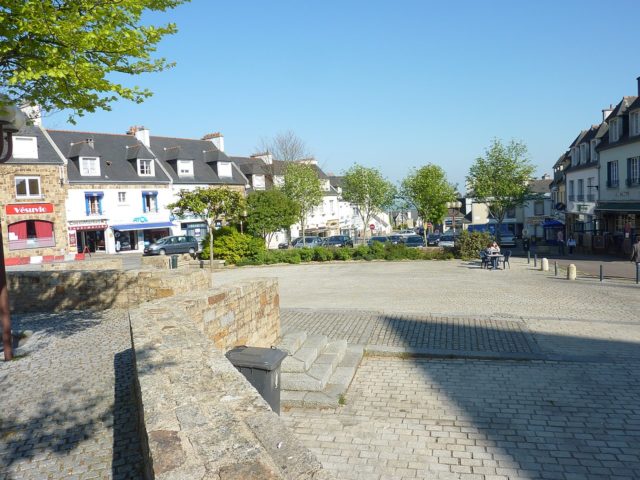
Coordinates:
291 342
335 387
303 351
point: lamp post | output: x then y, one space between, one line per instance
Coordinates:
454 207
12 119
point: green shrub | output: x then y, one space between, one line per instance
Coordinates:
361 252
470 243
377 250
342 253
322 254
306 254
233 247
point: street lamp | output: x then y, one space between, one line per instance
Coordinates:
12 119
455 208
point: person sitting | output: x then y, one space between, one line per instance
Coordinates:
495 247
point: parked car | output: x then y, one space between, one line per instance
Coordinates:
338 241
396 239
309 242
507 240
283 245
380 239
433 239
125 244
406 232
173 244
414 241
448 240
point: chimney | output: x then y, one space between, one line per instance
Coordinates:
89 142
606 112
33 113
266 157
217 139
546 176
142 134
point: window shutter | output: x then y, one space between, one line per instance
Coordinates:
144 204
155 202
100 205
629 160
87 205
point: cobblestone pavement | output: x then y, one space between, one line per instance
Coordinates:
480 420
411 330
66 406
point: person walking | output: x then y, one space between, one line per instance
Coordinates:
571 243
635 251
561 243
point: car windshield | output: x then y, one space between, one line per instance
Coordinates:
161 241
378 239
414 239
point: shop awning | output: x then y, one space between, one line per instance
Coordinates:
552 223
618 207
141 226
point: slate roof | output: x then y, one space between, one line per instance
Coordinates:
621 110
251 166
47 154
540 185
336 182
118 154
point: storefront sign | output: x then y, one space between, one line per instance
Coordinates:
140 220
99 226
29 208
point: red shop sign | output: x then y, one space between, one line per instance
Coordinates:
27 208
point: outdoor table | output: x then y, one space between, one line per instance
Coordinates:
495 258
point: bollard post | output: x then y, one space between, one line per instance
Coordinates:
600 272
555 268
535 261
528 257
571 272
544 265
637 273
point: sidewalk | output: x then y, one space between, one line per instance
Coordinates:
613 267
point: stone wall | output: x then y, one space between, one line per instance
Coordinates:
200 418
53 291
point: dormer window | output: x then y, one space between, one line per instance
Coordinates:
25 147
185 168
224 169
615 129
90 166
258 182
583 153
145 167
594 153
634 118
575 160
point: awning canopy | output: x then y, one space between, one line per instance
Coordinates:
552 223
618 207
141 226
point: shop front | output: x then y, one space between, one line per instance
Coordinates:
619 225
135 236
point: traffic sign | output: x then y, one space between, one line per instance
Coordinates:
372 226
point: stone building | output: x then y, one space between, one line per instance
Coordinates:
32 193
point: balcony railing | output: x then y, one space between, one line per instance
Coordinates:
612 183
572 198
633 182
581 198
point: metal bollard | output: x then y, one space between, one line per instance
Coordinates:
600 272
637 273
555 268
535 261
528 257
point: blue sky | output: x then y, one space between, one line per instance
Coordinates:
393 85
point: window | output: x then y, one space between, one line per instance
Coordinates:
511 212
25 147
633 171
28 187
635 123
575 156
149 201
580 190
224 169
615 129
258 182
612 174
331 207
185 168
538 207
584 158
31 234
591 182
145 167
594 153
572 194
122 197
90 166
93 203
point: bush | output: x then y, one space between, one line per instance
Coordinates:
234 247
306 254
342 253
377 250
470 243
361 252
322 254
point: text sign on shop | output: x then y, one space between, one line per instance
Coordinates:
27 208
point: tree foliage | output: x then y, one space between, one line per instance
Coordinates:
428 190
211 204
62 54
286 146
302 186
368 190
501 178
269 211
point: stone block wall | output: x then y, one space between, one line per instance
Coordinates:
246 313
54 291
199 417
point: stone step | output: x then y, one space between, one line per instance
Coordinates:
335 388
301 358
291 342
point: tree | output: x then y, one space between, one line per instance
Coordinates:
302 186
62 54
285 146
368 190
428 190
501 178
211 204
269 211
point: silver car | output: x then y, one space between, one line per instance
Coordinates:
309 242
173 244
